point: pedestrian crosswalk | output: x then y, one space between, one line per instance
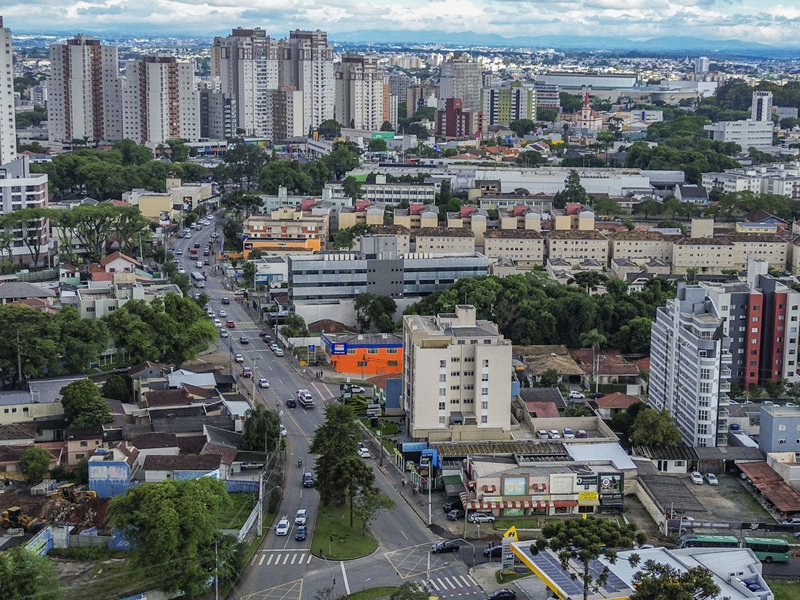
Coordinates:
274 558
452 585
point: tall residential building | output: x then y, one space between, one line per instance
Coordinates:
20 189
456 377
455 121
713 334
761 108
8 132
247 63
160 101
547 95
701 64
84 92
360 92
462 78
307 65
218 115
506 104
286 118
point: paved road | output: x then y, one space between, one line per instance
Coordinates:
284 569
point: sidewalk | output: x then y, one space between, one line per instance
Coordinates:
531 586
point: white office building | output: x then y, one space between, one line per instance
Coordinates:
761 108
84 92
456 377
748 134
701 64
160 101
775 178
8 131
19 189
247 63
690 367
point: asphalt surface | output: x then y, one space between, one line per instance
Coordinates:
283 568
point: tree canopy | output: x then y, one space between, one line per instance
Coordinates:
582 541
654 428
172 526
658 581
261 429
34 463
83 405
24 574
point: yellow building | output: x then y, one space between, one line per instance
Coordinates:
713 255
577 245
642 246
417 216
288 229
444 240
574 217
524 246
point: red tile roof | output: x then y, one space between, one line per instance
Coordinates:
542 410
115 255
617 400
226 453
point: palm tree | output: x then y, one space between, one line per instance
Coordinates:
595 339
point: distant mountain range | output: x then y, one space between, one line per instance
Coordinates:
679 45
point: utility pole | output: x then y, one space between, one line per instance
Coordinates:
216 569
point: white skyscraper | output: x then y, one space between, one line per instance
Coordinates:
360 92
761 109
247 64
8 132
160 101
84 92
307 65
701 64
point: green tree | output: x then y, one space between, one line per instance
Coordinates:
80 341
387 126
294 326
522 127
346 238
81 472
249 272
343 158
569 102
654 428
634 337
330 129
132 153
83 405
583 541
261 429
34 463
607 206
285 173
549 378
658 581
334 441
377 145
27 575
182 281
672 206
595 339
173 527
352 187
649 207
589 280
775 388
244 163
179 151
573 190
369 503
116 387
547 114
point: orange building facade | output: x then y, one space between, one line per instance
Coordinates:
364 354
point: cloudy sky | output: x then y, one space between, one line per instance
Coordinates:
773 22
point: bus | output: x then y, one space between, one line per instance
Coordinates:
198 279
708 541
768 549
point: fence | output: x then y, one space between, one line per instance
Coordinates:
45 488
43 275
89 541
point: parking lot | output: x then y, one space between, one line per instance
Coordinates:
729 501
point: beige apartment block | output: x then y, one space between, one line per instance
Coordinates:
525 247
417 216
713 255
794 256
472 218
573 217
444 240
371 214
577 245
641 246
402 234
520 216
456 377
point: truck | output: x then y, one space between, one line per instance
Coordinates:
305 399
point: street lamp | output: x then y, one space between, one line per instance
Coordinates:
255 368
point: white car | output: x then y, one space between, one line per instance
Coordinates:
278 352
568 433
697 479
238 358
478 517
542 434
223 312
263 383
217 322
223 332
283 430
554 434
364 452
283 527
711 479
301 518
182 271
573 395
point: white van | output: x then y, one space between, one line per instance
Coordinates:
199 264
305 399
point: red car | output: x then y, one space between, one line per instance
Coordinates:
230 324
247 372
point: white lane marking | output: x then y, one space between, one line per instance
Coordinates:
346 583
271 556
450 583
261 562
294 557
433 584
286 559
473 582
309 558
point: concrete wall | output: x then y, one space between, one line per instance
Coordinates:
464 433
588 424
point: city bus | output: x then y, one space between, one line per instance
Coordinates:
768 549
708 541
198 279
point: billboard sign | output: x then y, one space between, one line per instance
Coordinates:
339 349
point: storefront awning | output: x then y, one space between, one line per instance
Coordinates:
565 503
589 502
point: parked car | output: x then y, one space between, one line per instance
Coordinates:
444 546
597 395
247 372
542 434
502 594
554 434
711 479
301 533
238 358
283 527
479 517
455 515
273 346
493 551
263 382
697 479
301 517
792 521
574 395
364 452
568 433
455 505
581 434
354 389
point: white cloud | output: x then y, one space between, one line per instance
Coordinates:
764 21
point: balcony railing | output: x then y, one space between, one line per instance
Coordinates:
725 373
724 386
726 358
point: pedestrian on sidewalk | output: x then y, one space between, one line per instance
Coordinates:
404 483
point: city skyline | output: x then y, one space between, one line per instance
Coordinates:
766 22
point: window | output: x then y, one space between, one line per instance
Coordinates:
485 362
442 364
455 374
441 420
392 363
441 405
442 378
455 387
754 330
781 441
391 351
372 351
454 401
484 391
705 373
705 388
442 391
484 405
84 444
781 427
485 377
455 359
351 351
484 419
